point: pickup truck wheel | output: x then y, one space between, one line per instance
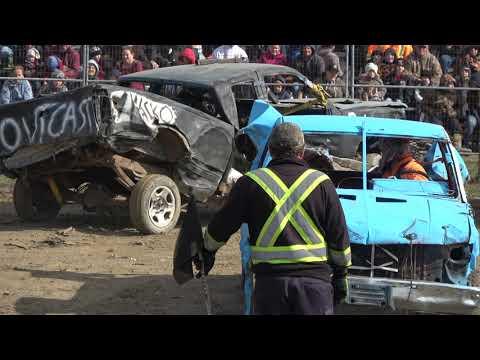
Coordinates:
34 201
154 204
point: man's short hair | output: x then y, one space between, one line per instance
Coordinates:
286 141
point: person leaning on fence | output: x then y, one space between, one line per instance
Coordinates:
424 66
311 65
371 77
54 86
17 89
298 233
129 65
273 55
334 85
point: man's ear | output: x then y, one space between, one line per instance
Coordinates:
302 154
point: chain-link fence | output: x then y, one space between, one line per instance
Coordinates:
438 83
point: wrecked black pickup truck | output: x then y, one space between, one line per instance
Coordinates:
106 145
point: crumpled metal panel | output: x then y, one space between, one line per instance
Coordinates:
36 153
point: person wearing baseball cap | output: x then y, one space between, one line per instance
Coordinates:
54 86
335 86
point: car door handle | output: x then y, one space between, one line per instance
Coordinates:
390 200
347 197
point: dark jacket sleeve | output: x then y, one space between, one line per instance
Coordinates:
318 69
335 226
232 215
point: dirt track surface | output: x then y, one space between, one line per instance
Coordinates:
83 264
96 268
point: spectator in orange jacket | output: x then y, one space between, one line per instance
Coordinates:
402 51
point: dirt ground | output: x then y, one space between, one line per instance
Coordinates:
94 268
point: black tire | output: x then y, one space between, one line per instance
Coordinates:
141 204
34 201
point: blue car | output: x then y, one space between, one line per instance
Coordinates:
414 243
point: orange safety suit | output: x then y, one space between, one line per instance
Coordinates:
402 51
406 168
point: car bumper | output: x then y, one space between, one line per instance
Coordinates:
421 296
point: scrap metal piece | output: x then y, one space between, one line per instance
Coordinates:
422 296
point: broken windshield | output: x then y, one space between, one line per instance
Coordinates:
414 166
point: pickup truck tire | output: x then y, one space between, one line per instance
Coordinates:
34 201
155 204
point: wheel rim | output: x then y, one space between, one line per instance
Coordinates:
161 207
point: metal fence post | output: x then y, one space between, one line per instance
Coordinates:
347 65
353 72
84 65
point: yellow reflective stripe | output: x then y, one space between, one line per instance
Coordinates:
276 179
300 231
311 223
277 208
342 254
286 248
263 186
210 243
292 261
297 204
301 209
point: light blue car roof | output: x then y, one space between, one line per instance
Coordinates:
374 126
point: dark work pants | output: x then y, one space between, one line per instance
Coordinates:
292 296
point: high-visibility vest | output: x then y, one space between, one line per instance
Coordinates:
288 209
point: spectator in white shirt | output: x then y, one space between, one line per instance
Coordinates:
229 52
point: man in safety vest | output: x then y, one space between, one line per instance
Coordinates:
397 160
300 247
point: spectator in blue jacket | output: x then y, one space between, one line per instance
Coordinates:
16 90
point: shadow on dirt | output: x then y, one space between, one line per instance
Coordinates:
84 222
139 294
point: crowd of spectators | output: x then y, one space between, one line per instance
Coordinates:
449 66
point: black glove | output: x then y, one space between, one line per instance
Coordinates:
340 290
208 261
